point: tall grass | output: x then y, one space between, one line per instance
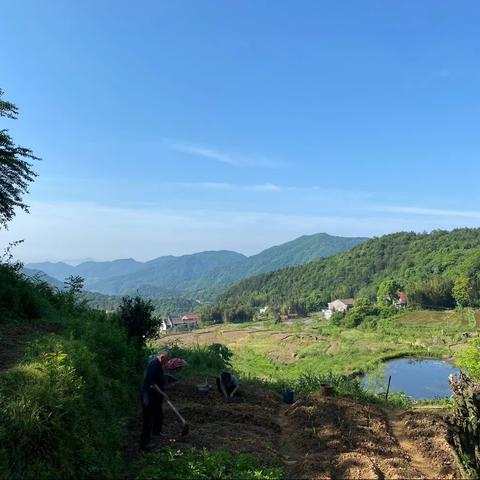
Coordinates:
63 408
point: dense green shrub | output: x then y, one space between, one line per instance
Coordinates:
436 292
175 464
469 359
204 359
228 313
20 298
136 316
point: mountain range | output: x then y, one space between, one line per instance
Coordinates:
210 271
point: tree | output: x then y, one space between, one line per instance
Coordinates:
136 315
210 314
356 315
388 291
16 171
74 284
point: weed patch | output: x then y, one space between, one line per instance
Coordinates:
172 464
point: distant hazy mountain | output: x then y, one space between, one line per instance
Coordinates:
214 270
168 275
89 270
40 275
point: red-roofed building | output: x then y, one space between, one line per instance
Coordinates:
402 301
190 318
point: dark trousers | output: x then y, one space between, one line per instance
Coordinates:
152 418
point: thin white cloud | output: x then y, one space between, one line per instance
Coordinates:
204 185
229 158
430 211
266 187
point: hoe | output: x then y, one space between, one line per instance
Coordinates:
185 427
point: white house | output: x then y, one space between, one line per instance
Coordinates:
187 322
341 305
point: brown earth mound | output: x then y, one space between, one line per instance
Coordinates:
316 438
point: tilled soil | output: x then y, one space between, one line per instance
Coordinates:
316 438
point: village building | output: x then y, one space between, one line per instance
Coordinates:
342 305
401 302
187 322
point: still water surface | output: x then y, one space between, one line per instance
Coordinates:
418 378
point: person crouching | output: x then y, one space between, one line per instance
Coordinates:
227 384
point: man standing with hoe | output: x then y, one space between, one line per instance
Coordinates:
152 398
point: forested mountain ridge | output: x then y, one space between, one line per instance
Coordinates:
428 266
169 276
296 252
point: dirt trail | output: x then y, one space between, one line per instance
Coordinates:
417 460
290 453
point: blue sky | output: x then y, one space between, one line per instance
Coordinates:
168 127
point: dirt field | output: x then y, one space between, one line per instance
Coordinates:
316 438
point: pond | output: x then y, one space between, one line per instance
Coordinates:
419 378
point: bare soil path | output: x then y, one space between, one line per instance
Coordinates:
399 430
289 450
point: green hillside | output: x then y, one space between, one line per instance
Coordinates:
432 268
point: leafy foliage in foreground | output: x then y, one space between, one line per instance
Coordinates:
16 172
171 464
436 270
25 299
63 407
469 359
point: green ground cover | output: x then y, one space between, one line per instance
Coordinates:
313 346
